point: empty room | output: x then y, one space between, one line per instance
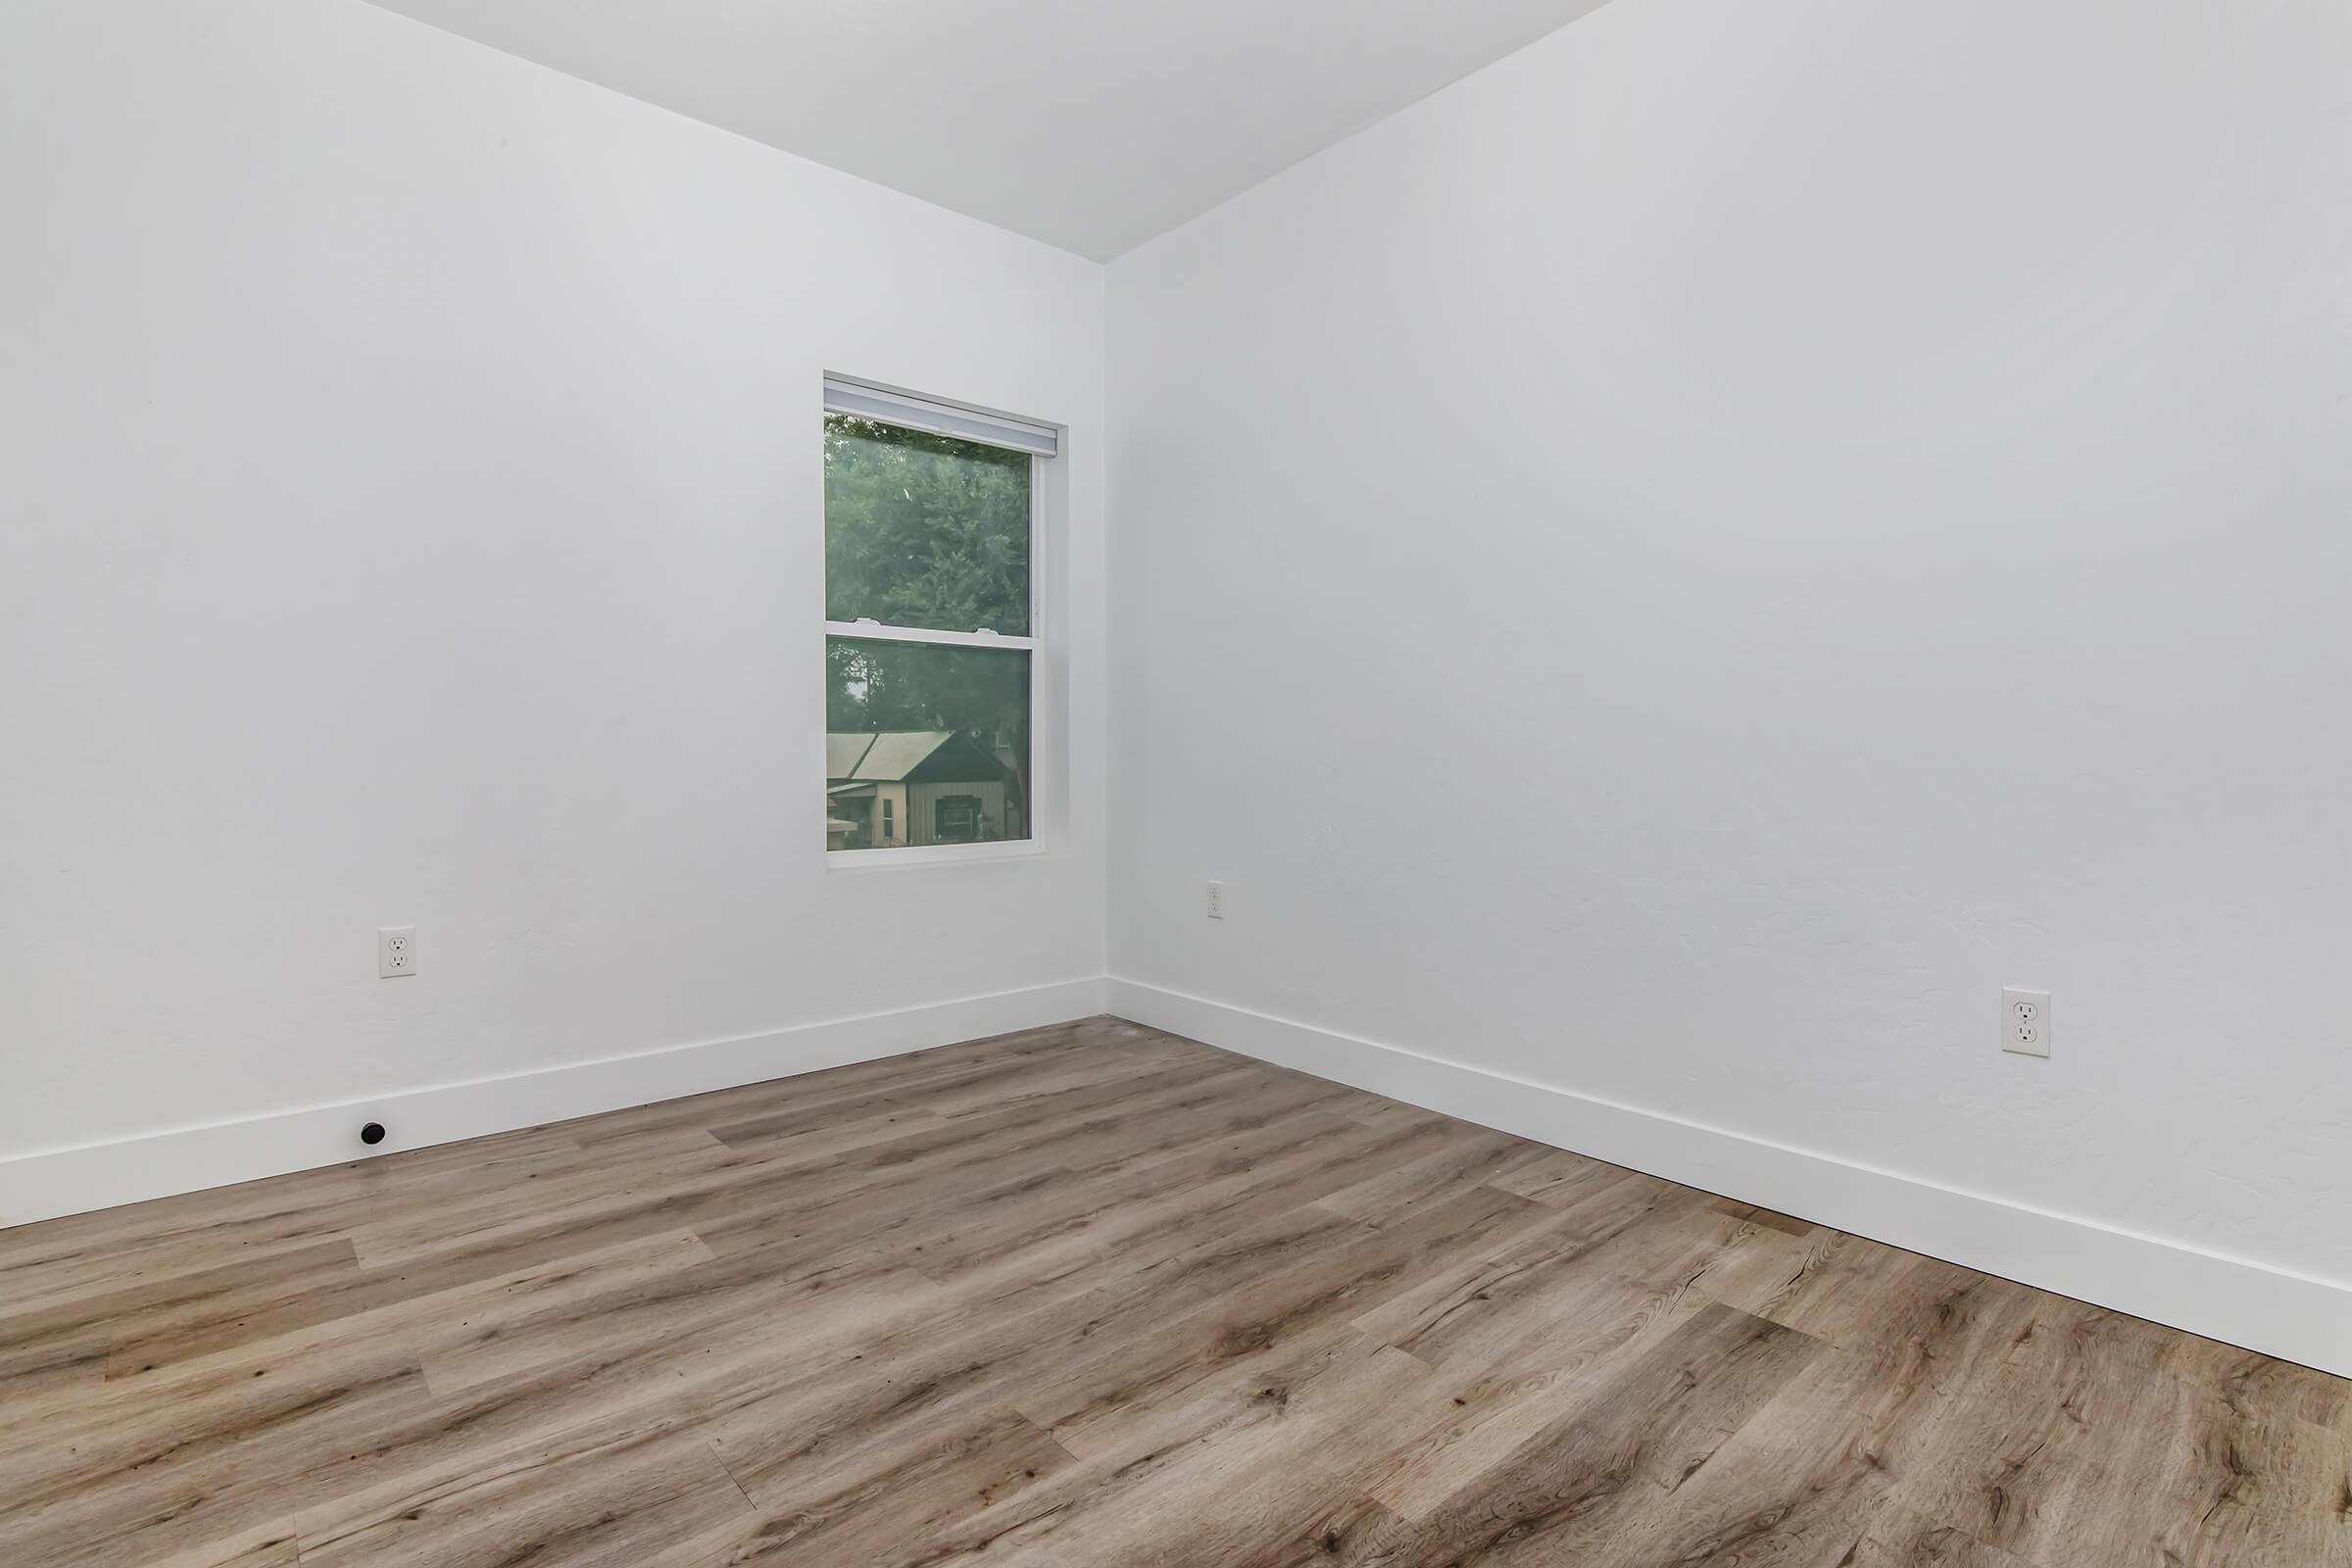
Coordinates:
1073 784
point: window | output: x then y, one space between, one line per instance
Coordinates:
930 620
958 819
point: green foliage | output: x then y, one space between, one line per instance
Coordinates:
984 692
925 531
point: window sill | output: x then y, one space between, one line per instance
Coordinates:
933 854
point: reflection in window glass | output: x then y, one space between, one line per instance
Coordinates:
926 743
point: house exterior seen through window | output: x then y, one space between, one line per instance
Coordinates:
929 623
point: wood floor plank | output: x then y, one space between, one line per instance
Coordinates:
1121 1213
1476 1312
82 1253
54 1369
1897 1537
593 1501
1574 1488
190 1304
1470 1158
935 1367
413 1327
1803 1481
871 1499
1156 1358
269 1547
2060 1449
1516 1354
215 1479
1093 1296
1557 1177
1269 1485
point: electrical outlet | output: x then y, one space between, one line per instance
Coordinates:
1217 901
2025 1022
395 952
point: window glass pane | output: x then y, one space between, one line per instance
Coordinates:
925 744
924 530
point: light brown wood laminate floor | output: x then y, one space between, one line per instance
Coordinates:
1093 1296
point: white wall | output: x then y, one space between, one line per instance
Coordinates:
1674 569
410 467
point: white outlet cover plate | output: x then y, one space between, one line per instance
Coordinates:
394 952
2024 1012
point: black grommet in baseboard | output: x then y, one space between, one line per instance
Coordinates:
372 1133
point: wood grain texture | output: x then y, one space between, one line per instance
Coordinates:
1094 1295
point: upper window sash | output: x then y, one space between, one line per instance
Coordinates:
877 631
866 573
940 418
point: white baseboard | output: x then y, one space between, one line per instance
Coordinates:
2232 1299
71 1181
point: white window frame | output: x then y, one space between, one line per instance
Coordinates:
1043 443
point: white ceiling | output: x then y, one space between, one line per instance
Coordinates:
1092 124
